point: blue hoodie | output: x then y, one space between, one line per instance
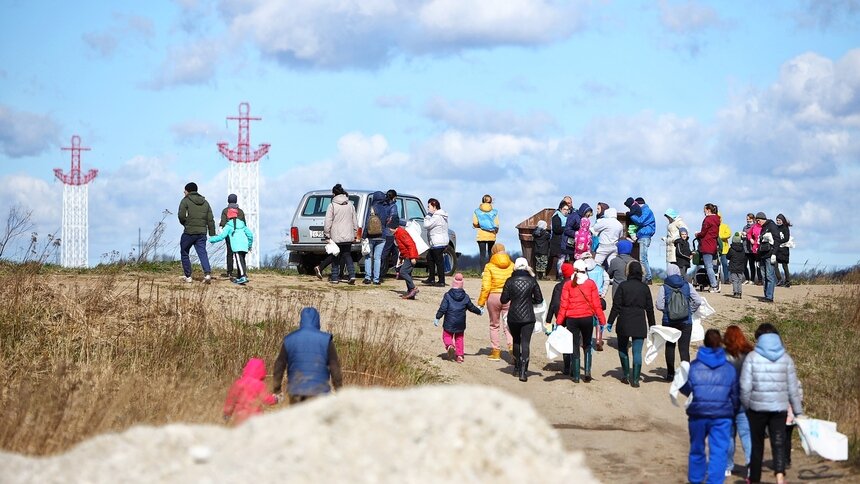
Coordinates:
714 384
307 356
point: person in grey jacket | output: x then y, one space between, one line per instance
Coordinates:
769 385
436 223
341 226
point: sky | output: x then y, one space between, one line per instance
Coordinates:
753 106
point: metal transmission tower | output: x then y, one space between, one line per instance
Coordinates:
75 246
244 178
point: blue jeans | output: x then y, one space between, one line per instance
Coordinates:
718 431
373 261
742 428
708 260
199 243
769 276
406 274
644 243
724 262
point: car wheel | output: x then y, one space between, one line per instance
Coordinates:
449 260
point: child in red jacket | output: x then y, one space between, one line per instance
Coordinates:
248 394
409 254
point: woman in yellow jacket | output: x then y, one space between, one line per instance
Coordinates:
496 273
725 235
486 220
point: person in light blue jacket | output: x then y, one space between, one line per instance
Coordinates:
241 241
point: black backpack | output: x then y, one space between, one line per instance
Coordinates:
678 306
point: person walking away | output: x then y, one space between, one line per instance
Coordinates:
453 309
559 219
737 348
678 300
647 227
541 237
618 266
247 395
486 220
387 215
683 253
580 303
673 233
436 223
633 308
409 254
195 215
769 385
232 202
707 238
725 243
555 303
375 230
495 274
310 359
714 385
601 280
737 264
608 231
768 239
583 234
521 291
782 250
240 237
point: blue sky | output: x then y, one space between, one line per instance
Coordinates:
754 106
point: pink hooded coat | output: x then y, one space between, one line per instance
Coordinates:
248 394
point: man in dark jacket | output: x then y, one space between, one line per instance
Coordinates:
388 214
768 241
373 261
713 382
232 202
310 359
618 267
522 291
195 215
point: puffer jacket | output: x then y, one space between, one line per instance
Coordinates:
725 235
607 228
580 301
523 292
241 237
437 228
737 258
541 238
709 234
768 378
714 385
496 273
340 222
486 220
555 301
645 222
309 357
454 305
195 215
753 235
673 233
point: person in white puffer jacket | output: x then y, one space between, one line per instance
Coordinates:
436 223
769 385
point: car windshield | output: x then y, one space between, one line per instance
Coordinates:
316 205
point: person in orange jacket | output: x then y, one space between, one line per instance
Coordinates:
496 273
409 254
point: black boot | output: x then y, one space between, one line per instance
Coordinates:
625 367
566 359
517 360
587 377
524 369
574 369
637 369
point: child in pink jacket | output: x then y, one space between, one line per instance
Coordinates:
248 394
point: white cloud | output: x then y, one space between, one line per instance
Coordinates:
194 131
469 116
392 101
687 22
124 28
189 64
827 14
24 133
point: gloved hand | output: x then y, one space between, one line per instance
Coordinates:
609 328
436 322
773 259
482 310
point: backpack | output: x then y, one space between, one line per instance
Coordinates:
679 306
374 224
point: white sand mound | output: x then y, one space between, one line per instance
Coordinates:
428 434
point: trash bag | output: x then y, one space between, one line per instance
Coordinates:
559 342
540 316
820 437
332 248
657 338
705 310
680 380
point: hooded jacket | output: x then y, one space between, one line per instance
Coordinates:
486 220
618 266
309 357
580 301
675 281
454 305
224 217
541 238
607 228
496 273
248 394
645 222
772 229
571 226
241 237
725 235
632 306
340 222
707 237
405 244
737 258
673 233
768 378
713 382
783 253
436 224
195 215
523 292
382 210
557 226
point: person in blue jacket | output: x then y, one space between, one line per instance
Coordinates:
453 308
310 359
641 215
713 382
241 241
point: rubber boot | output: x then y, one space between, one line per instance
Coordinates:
524 369
517 362
565 357
634 382
574 369
625 367
587 377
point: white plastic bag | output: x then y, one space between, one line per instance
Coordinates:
705 310
559 342
365 247
331 248
820 437
680 380
540 316
414 231
657 338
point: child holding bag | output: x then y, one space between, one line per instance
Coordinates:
453 308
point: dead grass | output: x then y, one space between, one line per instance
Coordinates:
83 355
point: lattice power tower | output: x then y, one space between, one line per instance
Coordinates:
74 241
244 177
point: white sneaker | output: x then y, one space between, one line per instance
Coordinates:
187 279
207 279
728 473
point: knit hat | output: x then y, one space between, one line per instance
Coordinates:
682 230
232 198
737 238
625 246
640 200
232 213
458 281
521 263
542 224
191 187
760 216
671 213
497 248
567 270
629 202
581 269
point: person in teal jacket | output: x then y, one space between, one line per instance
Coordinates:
241 241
